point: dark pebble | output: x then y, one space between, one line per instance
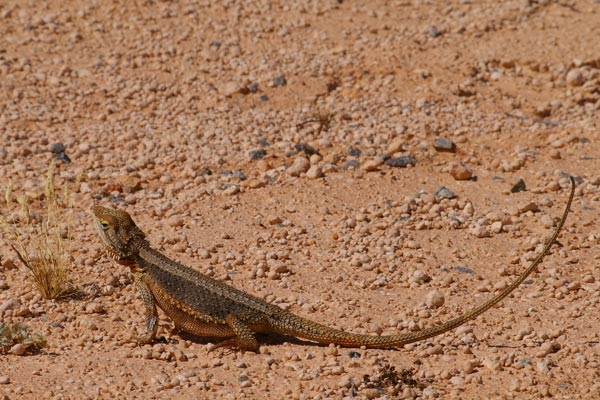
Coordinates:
257 154
238 174
306 148
353 354
434 32
400 161
264 97
57 148
584 140
443 144
243 378
263 142
464 270
444 193
518 187
62 157
206 171
253 88
350 164
354 152
56 324
280 81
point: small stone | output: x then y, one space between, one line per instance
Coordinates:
231 190
457 380
401 162
547 348
396 144
435 299
127 183
274 220
314 172
444 193
9 304
372 165
255 183
460 172
464 270
257 154
370 393
351 164
306 148
231 88
4 379
518 187
479 231
18 349
175 221
354 152
434 32
575 77
531 206
547 221
300 165
496 227
57 148
279 81
443 144
493 365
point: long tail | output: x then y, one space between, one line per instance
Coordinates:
301 327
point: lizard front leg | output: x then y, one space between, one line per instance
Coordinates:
151 314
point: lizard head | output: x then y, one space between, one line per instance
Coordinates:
118 232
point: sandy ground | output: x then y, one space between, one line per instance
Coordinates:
263 143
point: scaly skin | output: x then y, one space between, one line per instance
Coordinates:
203 306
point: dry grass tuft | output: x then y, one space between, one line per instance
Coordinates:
43 244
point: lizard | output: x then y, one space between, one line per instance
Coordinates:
203 306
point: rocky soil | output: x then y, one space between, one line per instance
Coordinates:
357 163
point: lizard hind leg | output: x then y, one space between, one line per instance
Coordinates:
244 337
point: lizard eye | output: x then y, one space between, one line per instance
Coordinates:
104 225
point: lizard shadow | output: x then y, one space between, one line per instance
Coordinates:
262 338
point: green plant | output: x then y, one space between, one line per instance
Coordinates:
11 334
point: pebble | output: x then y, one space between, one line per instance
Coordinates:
18 349
231 189
396 145
301 164
444 145
435 299
351 164
575 77
547 221
372 164
444 193
400 162
531 206
4 379
314 172
518 187
548 348
460 172
231 88
257 154
9 304
57 148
